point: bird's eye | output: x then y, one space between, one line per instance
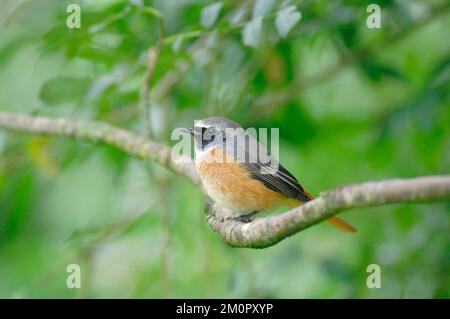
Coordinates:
208 136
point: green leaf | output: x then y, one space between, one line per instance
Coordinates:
64 90
286 19
377 71
262 7
238 16
176 45
252 33
210 14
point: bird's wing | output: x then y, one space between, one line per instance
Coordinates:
278 180
269 171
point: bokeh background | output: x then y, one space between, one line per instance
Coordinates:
353 104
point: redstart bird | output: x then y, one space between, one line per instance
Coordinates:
229 163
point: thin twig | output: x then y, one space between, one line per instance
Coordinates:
152 60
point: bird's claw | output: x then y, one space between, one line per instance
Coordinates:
244 218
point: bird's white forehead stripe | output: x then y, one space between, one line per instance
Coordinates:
199 123
216 121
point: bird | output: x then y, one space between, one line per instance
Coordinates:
235 175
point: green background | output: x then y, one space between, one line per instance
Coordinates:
353 104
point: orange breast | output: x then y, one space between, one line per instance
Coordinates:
230 184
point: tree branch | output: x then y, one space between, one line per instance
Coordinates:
262 232
99 132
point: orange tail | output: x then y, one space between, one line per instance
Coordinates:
336 221
341 224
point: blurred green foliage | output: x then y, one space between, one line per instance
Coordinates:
353 104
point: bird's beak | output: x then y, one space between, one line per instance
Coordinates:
189 130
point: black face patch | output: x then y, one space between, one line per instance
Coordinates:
209 135
206 138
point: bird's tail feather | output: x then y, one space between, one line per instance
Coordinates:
341 224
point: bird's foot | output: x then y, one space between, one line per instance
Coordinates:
244 218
